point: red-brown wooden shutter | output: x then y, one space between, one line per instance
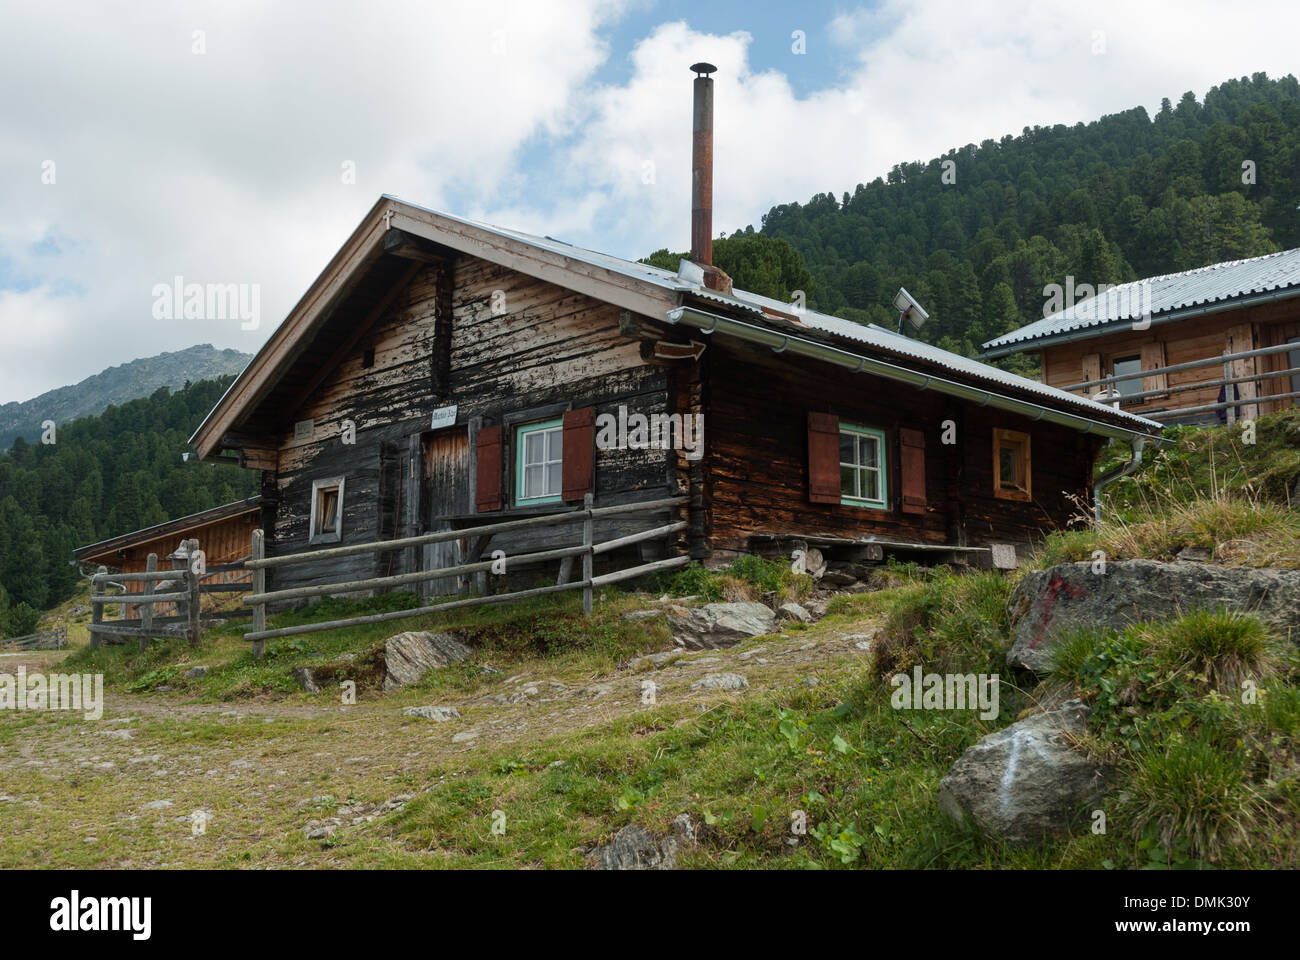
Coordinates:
488 469
823 458
579 442
911 472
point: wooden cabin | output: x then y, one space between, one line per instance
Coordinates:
1173 321
442 372
223 533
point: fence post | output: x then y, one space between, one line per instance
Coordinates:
1229 389
258 551
146 609
97 614
588 526
192 582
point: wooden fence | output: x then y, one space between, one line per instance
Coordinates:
55 639
587 551
1240 392
180 586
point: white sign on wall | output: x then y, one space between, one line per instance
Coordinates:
443 417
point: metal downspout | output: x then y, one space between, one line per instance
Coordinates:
1118 473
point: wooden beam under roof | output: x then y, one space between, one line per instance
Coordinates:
350 344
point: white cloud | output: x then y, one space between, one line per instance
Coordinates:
225 167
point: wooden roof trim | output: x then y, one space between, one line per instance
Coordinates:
288 341
226 511
553 267
366 244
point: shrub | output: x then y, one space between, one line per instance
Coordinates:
1192 790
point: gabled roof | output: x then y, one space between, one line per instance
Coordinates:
638 287
1173 296
169 528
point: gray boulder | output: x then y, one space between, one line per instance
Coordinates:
1049 603
409 656
794 611
441 714
720 681
1027 781
636 848
307 679
719 624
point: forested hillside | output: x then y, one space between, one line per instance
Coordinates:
105 475
1126 196
126 381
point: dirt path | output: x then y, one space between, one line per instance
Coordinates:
159 781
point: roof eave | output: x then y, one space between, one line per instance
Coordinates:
1110 326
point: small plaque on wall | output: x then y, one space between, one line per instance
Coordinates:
443 417
304 429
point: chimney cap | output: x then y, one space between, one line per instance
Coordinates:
703 69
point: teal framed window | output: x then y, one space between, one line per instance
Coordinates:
539 455
863 478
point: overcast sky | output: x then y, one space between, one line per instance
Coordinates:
213 141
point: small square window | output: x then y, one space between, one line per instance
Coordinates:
862 466
1011 465
326 522
539 462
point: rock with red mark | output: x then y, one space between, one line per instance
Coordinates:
1048 604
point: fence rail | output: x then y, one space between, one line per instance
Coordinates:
55 639
587 550
186 597
1229 383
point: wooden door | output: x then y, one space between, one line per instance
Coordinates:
446 476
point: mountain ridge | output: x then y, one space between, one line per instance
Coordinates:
114 386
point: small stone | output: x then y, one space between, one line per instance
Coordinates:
158 805
464 736
306 678
441 714
196 673
720 681
793 611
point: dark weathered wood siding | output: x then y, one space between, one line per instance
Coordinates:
516 344
757 463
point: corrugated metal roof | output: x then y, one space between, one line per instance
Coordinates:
893 342
1167 294
871 335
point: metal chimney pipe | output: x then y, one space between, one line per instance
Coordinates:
702 166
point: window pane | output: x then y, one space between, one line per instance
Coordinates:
533 477
848 448
1128 365
848 482
329 501
870 451
1007 466
870 489
554 444
553 479
534 447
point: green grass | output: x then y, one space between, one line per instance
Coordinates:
1210 491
